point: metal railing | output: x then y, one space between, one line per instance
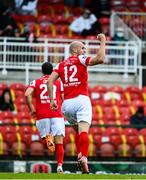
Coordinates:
118 20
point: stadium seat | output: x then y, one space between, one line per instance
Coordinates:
115 140
20 101
118 5
44 19
134 92
106 150
36 149
143 5
140 150
112 131
69 138
133 140
142 132
6 115
69 130
19 149
133 5
124 150
45 9
22 108
95 130
130 131
4 149
99 89
3 86
18 94
23 115
9 136
92 146
116 88
17 86
70 149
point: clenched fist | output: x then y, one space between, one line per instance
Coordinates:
101 37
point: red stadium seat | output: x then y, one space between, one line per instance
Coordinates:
115 140
69 138
6 115
133 140
112 131
44 19
5 149
142 132
130 131
124 150
69 130
116 88
133 5
19 149
95 130
70 149
18 86
143 5
3 86
20 101
107 150
118 5
23 115
99 89
36 149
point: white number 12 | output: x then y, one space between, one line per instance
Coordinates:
70 78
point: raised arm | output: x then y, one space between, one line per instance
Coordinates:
99 57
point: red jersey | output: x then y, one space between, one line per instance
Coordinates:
74 76
42 98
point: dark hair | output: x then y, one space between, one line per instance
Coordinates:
7 90
4 106
47 68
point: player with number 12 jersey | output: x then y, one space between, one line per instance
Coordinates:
73 73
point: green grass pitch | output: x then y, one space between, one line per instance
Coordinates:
67 176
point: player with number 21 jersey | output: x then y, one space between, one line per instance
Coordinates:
42 99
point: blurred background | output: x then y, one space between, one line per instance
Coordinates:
35 31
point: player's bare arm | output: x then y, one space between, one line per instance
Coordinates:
100 56
53 77
28 96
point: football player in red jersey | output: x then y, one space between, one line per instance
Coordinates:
50 123
77 106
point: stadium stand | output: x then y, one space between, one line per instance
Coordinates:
20 137
52 20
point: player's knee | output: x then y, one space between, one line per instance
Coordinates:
58 139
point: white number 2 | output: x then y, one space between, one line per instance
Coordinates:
43 95
74 70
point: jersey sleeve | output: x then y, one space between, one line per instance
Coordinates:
56 69
84 60
61 87
32 84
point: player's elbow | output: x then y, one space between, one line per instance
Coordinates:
101 60
26 94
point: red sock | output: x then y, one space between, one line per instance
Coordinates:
59 153
77 143
84 143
